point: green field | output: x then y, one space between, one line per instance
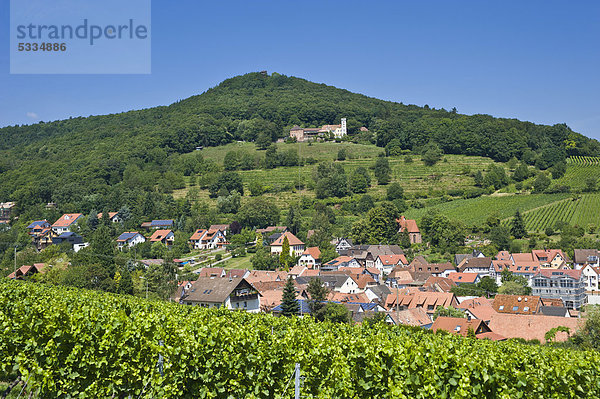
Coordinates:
69 343
476 210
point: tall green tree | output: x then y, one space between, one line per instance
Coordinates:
285 259
317 293
518 226
382 171
289 305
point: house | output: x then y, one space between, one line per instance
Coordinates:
439 284
419 264
525 269
296 246
335 296
303 306
461 326
303 134
385 263
339 282
38 226
410 226
567 285
66 222
401 299
112 216
458 258
377 293
262 276
6 211
591 276
342 245
212 272
478 308
464 278
130 239
310 258
531 326
43 238
550 258
340 261
208 239
584 257
72 239
223 228
158 224
406 277
479 265
517 304
230 293
272 229
26 271
409 317
163 236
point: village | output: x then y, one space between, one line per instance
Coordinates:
370 280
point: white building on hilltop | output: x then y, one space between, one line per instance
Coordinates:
303 134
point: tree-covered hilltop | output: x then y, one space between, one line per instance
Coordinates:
108 160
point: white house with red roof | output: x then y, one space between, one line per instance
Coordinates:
296 246
112 216
410 225
591 276
385 263
208 239
310 258
66 222
163 236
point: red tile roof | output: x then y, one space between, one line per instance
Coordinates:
460 326
409 224
198 234
463 277
439 284
293 240
315 252
159 235
531 326
391 260
516 304
67 219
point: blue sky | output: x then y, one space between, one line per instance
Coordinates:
531 60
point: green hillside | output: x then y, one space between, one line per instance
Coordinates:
109 161
75 343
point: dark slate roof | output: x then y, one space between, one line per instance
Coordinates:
162 222
304 308
382 291
127 236
553 311
38 223
212 289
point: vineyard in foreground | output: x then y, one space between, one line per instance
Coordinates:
72 343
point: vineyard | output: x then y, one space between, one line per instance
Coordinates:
476 210
70 343
582 210
584 161
578 170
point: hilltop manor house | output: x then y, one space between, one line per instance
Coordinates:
303 134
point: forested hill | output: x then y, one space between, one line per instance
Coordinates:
64 161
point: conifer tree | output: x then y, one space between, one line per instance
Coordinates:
289 305
518 226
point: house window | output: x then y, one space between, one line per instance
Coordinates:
429 307
245 304
501 307
515 308
526 309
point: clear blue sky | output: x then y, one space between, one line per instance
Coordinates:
532 60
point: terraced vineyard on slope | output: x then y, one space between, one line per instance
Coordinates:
581 210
